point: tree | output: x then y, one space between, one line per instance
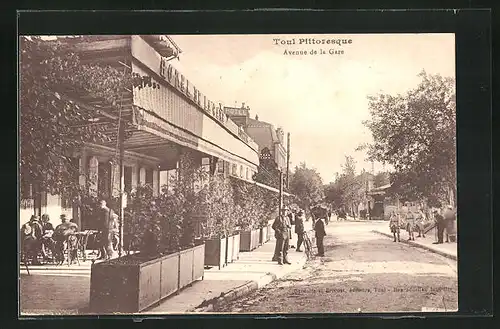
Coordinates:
307 186
416 134
53 127
333 194
381 179
350 185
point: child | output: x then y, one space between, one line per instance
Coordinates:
394 224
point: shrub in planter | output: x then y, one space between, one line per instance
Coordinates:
218 207
161 228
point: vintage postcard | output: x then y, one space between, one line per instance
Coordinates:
172 174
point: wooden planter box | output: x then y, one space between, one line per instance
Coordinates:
236 247
263 235
215 252
249 240
233 248
130 285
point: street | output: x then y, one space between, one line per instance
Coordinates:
361 272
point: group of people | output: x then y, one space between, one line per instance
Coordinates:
282 227
39 237
416 221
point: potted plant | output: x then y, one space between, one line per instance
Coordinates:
168 258
219 225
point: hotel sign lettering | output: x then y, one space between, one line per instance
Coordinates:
179 82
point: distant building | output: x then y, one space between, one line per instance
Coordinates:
271 141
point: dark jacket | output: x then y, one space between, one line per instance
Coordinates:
319 228
439 219
299 224
281 227
47 226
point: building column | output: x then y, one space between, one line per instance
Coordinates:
82 180
156 182
93 171
135 177
142 176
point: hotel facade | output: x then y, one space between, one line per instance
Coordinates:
163 124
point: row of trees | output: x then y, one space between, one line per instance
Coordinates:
171 221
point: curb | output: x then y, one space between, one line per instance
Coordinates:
411 243
241 291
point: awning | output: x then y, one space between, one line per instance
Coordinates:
267 187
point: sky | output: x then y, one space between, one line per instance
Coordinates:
320 99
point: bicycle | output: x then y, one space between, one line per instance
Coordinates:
308 246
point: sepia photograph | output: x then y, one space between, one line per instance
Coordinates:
238 173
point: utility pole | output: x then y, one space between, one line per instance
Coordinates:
281 192
121 139
288 162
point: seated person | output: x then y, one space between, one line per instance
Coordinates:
61 233
31 237
47 241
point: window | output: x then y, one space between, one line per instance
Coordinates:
247 174
235 169
149 177
220 166
127 179
104 179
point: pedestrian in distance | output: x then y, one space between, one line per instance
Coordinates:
291 218
410 225
299 229
440 225
450 217
282 232
320 233
420 223
394 225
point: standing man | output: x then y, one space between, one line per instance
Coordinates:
450 218
440 223
281 227
319 229
291 218
106 223
299 228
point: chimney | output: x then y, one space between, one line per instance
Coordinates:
242 105
256 117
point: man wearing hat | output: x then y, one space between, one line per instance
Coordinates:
60 234
299 228
440 224
282 232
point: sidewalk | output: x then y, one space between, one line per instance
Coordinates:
448 250
253 270
65 290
